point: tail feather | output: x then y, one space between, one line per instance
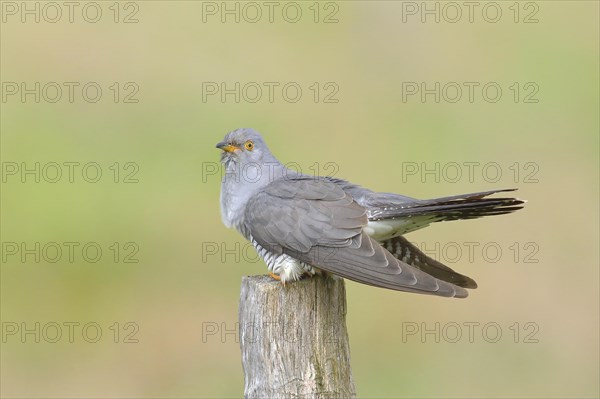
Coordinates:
408 253
470 196
402 216
466 206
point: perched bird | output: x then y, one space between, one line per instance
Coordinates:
302 225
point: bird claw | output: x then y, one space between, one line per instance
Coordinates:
277 277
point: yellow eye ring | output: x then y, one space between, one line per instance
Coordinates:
249 145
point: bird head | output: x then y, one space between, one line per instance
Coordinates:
243 146
249 167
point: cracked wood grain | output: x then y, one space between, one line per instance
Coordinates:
294 340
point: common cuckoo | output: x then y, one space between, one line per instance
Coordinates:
303 225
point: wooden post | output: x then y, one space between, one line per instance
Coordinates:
294 340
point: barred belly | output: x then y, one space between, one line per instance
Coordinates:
286 267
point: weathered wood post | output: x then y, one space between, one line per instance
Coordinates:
294 340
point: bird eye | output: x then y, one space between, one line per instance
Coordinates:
249 145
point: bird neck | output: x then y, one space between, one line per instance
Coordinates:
242 181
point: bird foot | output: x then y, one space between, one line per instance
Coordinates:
277 277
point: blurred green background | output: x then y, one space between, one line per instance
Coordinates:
179 288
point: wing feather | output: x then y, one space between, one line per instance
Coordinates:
317 222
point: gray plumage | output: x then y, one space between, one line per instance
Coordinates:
302 225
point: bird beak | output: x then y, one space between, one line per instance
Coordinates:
226 147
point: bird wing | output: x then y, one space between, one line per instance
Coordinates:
317 222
